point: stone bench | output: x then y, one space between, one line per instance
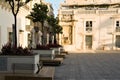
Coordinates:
54 62
64 52
21 67
60 56
46 73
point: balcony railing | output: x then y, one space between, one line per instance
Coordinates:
88 29
87 12
67 18
67 12
117 29
108 12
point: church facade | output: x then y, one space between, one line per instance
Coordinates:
90 24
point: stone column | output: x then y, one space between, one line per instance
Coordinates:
52 39
40 35
33 38
47 38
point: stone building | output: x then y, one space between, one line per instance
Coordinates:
90 24
7 20
24 25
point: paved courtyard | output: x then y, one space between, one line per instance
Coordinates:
90 66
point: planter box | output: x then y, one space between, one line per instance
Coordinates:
19 64
57 50
49 54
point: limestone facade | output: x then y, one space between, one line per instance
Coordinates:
88 24
24 25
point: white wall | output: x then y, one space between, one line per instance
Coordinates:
0 38
6 21
100 30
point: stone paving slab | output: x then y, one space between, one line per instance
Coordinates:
87 66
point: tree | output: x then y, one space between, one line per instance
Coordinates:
55 27
58 30
39 14
15 6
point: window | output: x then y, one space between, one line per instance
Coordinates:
29 40
10 37
117 23
89 25
117 26
117 42
88 40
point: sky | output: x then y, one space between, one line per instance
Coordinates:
55 5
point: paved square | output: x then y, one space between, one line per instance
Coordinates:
89 66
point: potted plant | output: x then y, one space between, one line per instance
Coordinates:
18 60
58 50
56 47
